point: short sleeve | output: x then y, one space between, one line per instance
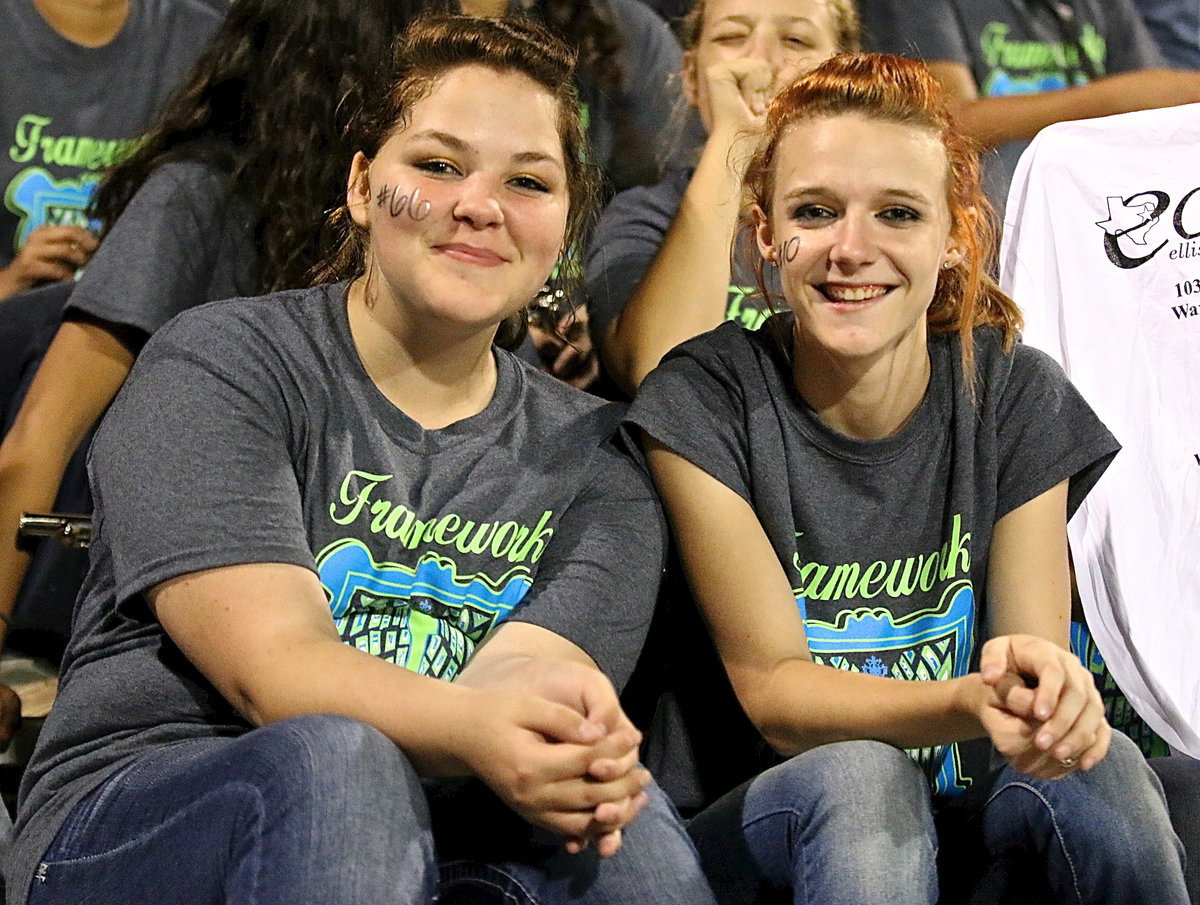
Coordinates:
694 404
624 245
1046 433
598 581
920 29
651 60
1130 44
177 244
191 467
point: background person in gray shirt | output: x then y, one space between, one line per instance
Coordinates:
659 270
79 85
1013 67
225 196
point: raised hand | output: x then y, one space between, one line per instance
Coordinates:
739 91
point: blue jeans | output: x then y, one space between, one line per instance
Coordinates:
325 810
854 822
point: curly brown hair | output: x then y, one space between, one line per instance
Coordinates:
267 103
430 47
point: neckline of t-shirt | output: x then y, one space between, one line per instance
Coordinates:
870 452
404 429
57 49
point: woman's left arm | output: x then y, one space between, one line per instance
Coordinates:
1053 719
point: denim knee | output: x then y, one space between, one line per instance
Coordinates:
849 821
656 863
868 779
1104 835
315 808
658 858
353 781
323 749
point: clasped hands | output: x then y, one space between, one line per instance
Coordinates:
555 745
1041 708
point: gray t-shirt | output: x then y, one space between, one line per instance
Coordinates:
885 542
249 431
1013 47
627 130
183 239
67 112
1175 27
627 240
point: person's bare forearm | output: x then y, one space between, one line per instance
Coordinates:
995 120
25 486
83 368
685 291
261 633
801 705
426 717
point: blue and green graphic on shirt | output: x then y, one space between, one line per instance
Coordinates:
930 642
427 618
1033 67
745 306
35 195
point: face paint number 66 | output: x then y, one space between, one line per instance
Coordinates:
396 202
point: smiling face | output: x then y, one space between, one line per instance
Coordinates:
792 36
466 205
860 228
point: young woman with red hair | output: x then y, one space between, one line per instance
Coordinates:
895 474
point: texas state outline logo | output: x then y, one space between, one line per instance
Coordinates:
1128 226
1134 232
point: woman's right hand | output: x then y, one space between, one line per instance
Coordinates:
573 772
50 253
739 92
1041 708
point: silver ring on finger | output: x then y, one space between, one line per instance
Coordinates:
1067 763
